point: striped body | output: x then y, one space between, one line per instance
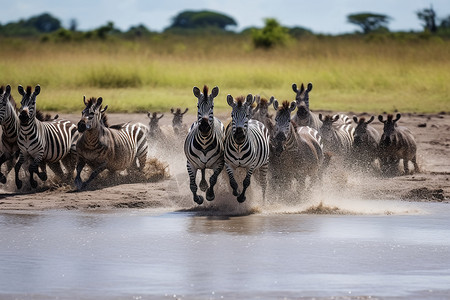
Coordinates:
297 151
43 142
365 143
337 140
10 127
115 148
246 145
203 146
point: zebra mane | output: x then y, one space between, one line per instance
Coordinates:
29 90
362 120
40 116
104 119
91 102
240 100
205 93
390 117
327 119
285 106
263 101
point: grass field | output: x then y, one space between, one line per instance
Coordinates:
348 74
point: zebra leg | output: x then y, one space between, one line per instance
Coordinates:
94 174
233 183
56 168
69 162
414 161
212 182
3 158
241 198
34 168
263 180
17 169
80 165
192 184
203 183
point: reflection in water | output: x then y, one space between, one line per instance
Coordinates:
201 255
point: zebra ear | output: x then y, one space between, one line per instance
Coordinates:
380 118
275 104
249 101
336 117
271 100
172 110
196 91
162 115
21 91
215 91
320 117
230 100
8 89
294 88
370 120
99 101
185 111
103 110
149 115
293 106
397 117
355 119
257 99
84 100
310 86
37 90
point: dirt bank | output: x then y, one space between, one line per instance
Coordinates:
432 133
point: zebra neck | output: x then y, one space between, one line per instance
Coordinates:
92 136
10 124
291 139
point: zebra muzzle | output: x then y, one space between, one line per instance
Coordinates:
23 116
82 126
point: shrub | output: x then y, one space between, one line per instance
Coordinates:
271 35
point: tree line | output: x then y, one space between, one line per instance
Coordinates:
49 27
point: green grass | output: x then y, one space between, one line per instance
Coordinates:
347 74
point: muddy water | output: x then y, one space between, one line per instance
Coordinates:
146 254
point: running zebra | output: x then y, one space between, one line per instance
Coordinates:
179 128
297 151
10 127
116 148
246 145
304 117
49 142
203 146
337 140
261 112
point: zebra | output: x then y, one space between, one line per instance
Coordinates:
49 142
177 122
365 142
337 140
397 142
261 112
10 127
203 146
246 145
116 148
297 152
303 116
155 130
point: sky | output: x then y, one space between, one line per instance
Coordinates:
320 16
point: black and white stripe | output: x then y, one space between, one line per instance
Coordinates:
337 140
203 146
246 145
10 127
43 142
115 148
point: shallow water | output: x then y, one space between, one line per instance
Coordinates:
164 254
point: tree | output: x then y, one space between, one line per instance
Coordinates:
201 19
369 22
271 35
44 23
428 16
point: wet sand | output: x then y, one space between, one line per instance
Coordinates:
432 133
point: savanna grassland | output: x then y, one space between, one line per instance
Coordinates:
348 73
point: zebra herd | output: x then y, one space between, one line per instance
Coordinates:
37 141
286 148
295 144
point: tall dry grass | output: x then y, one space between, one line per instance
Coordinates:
348 74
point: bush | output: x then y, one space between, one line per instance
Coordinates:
271 35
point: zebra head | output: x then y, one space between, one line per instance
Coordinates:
92 115
302 99
388 136
282 130
177 121
262 105
205 106
240 114
5 93
327 130
361 134
153 124
27 111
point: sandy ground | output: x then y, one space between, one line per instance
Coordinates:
432 133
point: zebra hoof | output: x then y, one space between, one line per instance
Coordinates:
241 198
198 199
203 185
210 194
33 184
235 193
